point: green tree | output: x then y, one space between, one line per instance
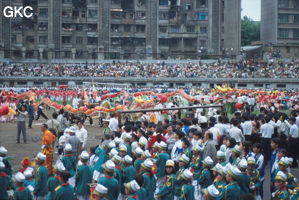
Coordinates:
250 31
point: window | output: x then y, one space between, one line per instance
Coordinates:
242 85
79 40
66 1
140 15
127 28
43 26
283 18
93 1
83 14
30 39
43 12
163 42
190 29
189 42
66 39
203 43
174 29
140 28
67 27
92 41
203 30
66 13
283 33
43 39
13 38
79 27
281 86
92 27
296 19
163 2
163 15
201 3
283 3
92 13
163 29
174 42
188 7
258 85
296 33
202 16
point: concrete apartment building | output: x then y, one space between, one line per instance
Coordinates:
280 25
122 29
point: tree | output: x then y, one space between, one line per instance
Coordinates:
250 31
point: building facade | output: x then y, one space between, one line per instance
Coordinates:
280 25
122 29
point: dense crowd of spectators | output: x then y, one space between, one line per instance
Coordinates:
135 69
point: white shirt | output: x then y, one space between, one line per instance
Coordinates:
222 128
236 133
177 150
113 124
82 135
247 127
297 121
215 131
202 119
294 131
267 130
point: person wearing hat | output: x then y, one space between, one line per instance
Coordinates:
128 170
54 181
196 164
25 164
47 147
211 193
254 177
41 177
220 156
127 142
295 195
100 192
187 190
64 191
28 173
100 154
206 176
232 189
282 191
69 161
183 164
283 165
142 142
3 155
149 179
219 180
139 158
166 191
131 189
163 156
123 150
117 170
21 192
83 177
236 152
109 181
244 179
5 182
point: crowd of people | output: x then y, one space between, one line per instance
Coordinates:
243 69
203 156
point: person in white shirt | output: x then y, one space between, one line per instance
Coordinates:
113 122
223 128
75 103
247 127
177 149
293 141
267 130
235 132
216 133
82 134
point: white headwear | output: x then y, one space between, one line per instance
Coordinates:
101 189
41 156
111 144
68 147
187 174
3 150
60 167
162 145
2 165
143 141
19 176
243 163
220 154
133 186
212 190
208 161
138 151
84 155
28 172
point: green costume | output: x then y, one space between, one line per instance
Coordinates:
118 176
5 183
196 166
205 178
129 174
161 161
141 193
290 179
138 163
83 179
188 152
166 191
187 192
149 185
254 180
69 163
295 195
220 187
28 182
132 197
129 151
53 183
41 184
232 191
22 193
100 153
178 182
65 192
282 194
8 169
112 185
244 182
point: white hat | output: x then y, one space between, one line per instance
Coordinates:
123 148
138 151
208 161
3 150
19 176
184 159
113 152
84 155
187 174
117 140
243 163
68 147
197 148
72 129
109 166
234 171
132 186
236 149
41 156
227 168
143 141
156 144
100 189
290 161
220 154
147 164
212 191
2 165
281 176
128 159
284 161
111 144
250 160
79 163
218 168
60 167
116 158
169 163
28 172
127 136
162 145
